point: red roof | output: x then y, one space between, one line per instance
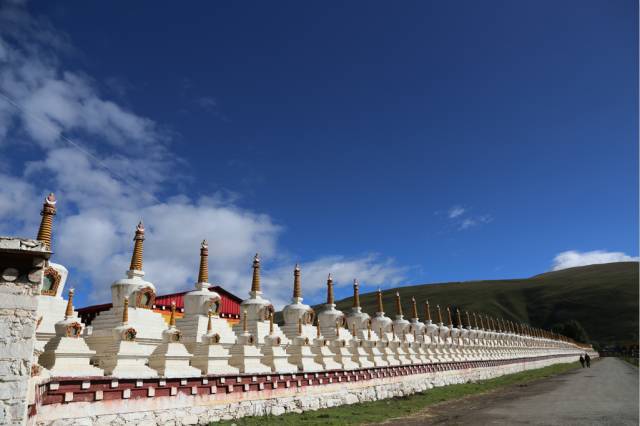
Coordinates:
229 305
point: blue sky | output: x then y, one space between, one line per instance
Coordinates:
399 143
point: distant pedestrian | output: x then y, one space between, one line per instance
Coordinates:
582 361
587 359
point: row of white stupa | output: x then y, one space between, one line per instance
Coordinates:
131 340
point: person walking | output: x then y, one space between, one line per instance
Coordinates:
587 360
582 361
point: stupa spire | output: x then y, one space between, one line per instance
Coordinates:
172 318
356 294
270 323
439 314
414 305
46 224
458 318
255 281
69 312
379 297
209 327
468 318
125 311
297 287
427 311
329 290
449 316
398 304
138 247
203 272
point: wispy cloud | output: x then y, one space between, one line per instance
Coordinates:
456 211
573 258
463 219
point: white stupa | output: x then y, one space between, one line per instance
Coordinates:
51 305
258 311
382 325
148 324
323 354
298 317
67 354
171 358
198 304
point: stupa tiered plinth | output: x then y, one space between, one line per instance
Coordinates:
245 354
67 354
123 356
209 355
171 358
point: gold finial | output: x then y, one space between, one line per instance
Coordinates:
69 312
138 247
449 316
125 311
299 326
172 318
379 297
427 313
475 320
369 330
468 318
255 281
353 330
398 304
318 328
329 290
337 328
458 318
244 321
270 323
439 314
356 294
415 307
209 327
297 288
203 273
481 323
46 224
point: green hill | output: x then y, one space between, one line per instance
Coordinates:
602 298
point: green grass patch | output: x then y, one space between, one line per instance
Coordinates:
379 411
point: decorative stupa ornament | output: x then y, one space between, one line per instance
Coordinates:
330 300
398 306
468 319
356 295
203 271
46 224
427 311
380 322
460 325
255 280
449 316
68 313
439 315
414 306
138 248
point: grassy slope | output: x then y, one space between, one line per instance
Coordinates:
603 298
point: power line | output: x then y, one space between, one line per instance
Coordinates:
77 146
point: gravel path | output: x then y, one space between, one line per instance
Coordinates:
605 394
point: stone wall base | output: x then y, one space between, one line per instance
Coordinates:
202 409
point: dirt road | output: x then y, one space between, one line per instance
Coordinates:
605 394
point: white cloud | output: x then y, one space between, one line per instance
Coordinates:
100 201
456 211
573 258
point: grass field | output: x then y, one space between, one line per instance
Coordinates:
379 411
603 298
